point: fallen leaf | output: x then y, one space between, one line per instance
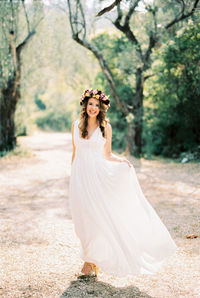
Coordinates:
191 236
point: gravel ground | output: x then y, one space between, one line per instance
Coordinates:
39 251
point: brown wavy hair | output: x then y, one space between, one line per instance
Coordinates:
101 118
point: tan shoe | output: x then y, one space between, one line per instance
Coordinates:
92 272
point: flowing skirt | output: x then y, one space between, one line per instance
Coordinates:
118 229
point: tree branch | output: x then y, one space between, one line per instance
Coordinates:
13 49
130 12
152 42
152 37
12 9
108 8
26 15
70 17
83 17
23 43
125 28
182 15
149 76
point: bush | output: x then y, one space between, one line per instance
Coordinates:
54 121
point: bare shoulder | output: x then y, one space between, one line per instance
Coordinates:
73 123
108 126
108 130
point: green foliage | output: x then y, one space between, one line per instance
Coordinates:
172 110
53 108
55 121
39 103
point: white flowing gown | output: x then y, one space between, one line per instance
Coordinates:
118 229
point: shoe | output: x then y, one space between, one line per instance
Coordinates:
94 269
92 272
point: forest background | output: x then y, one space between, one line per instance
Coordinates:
44 71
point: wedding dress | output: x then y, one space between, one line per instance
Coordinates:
119 230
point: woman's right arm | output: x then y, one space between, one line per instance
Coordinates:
74 147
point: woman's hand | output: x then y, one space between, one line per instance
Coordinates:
128 162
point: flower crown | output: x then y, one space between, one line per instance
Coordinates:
98 94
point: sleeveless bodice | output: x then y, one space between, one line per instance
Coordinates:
95 144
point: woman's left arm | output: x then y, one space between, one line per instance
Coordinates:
108 148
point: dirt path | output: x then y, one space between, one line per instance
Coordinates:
39 252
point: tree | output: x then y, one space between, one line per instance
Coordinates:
173 120
124 22
16 32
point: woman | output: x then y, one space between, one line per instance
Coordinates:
119 230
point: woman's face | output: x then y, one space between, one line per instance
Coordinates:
93 107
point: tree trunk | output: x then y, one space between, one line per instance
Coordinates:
138 121
130 140
135 128
10 96
8 104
